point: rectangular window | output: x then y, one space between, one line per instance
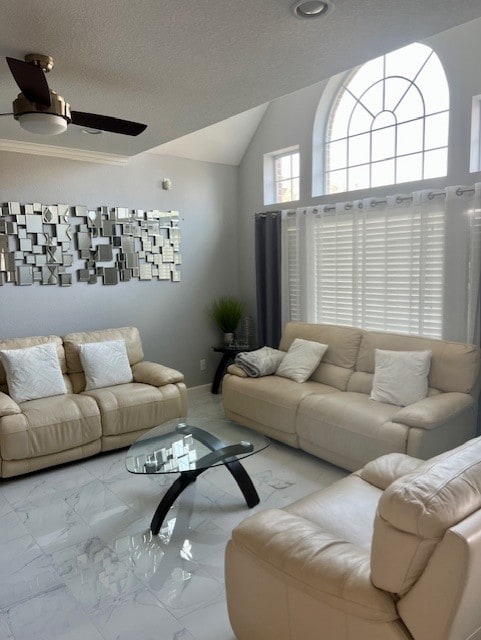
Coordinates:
378 270
286 177
475 155
281 176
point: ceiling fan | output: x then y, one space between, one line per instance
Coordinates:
41 110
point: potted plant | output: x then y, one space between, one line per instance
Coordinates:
226 311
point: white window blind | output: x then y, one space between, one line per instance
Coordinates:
333 251
373 265
293 288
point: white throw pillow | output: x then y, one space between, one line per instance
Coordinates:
400 377
301 359
33 372
105 364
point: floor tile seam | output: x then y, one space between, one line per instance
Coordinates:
44 548
76 544
91 523
106 489
8 501
52 589
55 492
42 553
102 607
201 605
25 508
50 565
47 499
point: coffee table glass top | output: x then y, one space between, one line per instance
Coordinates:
184 445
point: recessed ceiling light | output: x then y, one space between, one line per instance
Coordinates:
93 132
310 8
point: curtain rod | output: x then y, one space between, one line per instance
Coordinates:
274 214
399 199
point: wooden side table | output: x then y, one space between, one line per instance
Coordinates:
229 353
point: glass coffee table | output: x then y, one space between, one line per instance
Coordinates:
190 447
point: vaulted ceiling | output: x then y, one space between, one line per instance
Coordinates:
181 66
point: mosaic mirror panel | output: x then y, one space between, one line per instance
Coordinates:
50 243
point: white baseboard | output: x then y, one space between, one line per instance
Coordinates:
200 386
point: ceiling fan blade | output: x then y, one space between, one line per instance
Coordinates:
107 123
31 81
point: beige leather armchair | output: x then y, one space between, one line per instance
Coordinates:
388 553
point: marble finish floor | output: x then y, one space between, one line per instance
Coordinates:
78 561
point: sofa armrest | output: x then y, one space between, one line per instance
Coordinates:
331 569
8 407
434 411
155 374
236 371
385 469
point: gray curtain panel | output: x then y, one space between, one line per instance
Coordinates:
268 277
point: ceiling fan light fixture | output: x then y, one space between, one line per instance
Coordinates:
38 119
41 110
47 124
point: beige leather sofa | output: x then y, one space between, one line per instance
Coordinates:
332 416
392 552
49 431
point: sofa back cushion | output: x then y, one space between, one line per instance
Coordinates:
24 343
416 510
339 361
72 341
455 366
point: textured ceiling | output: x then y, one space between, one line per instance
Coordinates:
224 142
180 66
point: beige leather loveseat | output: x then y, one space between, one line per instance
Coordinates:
332 416
48 431
392 552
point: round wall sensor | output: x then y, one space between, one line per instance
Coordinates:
310 8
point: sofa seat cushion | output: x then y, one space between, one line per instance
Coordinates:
349 421
270 400
50 425
347 509
305 557
135 406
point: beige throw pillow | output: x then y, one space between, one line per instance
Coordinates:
301 360
400 377
33 372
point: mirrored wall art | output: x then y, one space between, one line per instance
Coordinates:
49 243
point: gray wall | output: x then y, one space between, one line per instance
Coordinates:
171 317
290 120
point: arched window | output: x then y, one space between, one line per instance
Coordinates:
389 122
